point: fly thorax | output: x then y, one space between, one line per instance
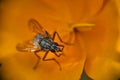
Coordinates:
45 45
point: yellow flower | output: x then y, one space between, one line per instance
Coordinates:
94 27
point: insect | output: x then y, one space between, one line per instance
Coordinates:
43 41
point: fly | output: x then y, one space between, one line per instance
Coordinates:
43 41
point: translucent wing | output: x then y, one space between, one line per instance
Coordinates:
27 46
35 26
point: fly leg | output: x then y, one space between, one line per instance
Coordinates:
38 60
58 55
55 33
44 59
62 47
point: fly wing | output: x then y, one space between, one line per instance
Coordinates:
36 27
27 46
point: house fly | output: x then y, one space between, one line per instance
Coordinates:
43 41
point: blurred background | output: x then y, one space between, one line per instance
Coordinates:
96 54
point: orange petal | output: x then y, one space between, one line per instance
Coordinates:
102 61
18 65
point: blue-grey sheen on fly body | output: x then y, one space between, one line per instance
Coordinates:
43 41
